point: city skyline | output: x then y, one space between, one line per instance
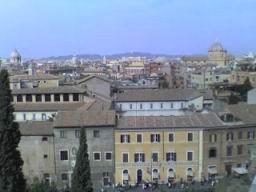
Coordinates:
45 28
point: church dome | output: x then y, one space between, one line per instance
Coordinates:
15 54
216 47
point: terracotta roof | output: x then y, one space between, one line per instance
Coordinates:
36 128
51 106
158 95
16 78
245 112
85 118
188 121
90 77
61 89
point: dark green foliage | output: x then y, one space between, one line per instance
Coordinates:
42 187
81 180
11 176
246 87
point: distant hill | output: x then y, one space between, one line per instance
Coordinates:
113 56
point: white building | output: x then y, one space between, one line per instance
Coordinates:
161 102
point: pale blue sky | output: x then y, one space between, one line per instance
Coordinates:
39 28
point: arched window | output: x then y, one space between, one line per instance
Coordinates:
212 152
171 173
125 177
155 174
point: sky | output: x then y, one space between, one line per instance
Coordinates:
41 28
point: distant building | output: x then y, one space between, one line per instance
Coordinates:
238 77
251 96
218 55
15 57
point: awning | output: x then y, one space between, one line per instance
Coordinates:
126 177
240 170
212 170
190 173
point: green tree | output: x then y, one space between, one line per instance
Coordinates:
42 187
246 87
81 180
11 176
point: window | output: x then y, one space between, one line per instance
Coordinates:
62 134
28 98
239 149
64 155
19 98
171 137
96 156
125 177
155 138
161 105
44 138
250 135
43 116
34 117
64 176
171 105
155 157
230 136
151 105
56 97
213 138
45 156
65 97
212 153
190 156
130 106
171 156
38 97
190 136
181 105
75 97
120 106
96 133
77 133
141 106
240 135
139 157
125 157
108 156
139 138
24 116
125 138
229 150
47 97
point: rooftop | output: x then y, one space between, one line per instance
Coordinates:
158 95
189 121
36 128
84 118
51 106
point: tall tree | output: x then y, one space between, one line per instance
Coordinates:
246 87
81 180
11 176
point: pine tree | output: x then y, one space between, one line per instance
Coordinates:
81 181
11 176
246 87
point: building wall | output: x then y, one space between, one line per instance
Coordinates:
97 87
48 83
33 150
158 108
180 145
33 116
251 98
221 160
101 144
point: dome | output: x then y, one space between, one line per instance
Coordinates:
216 47
15 54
